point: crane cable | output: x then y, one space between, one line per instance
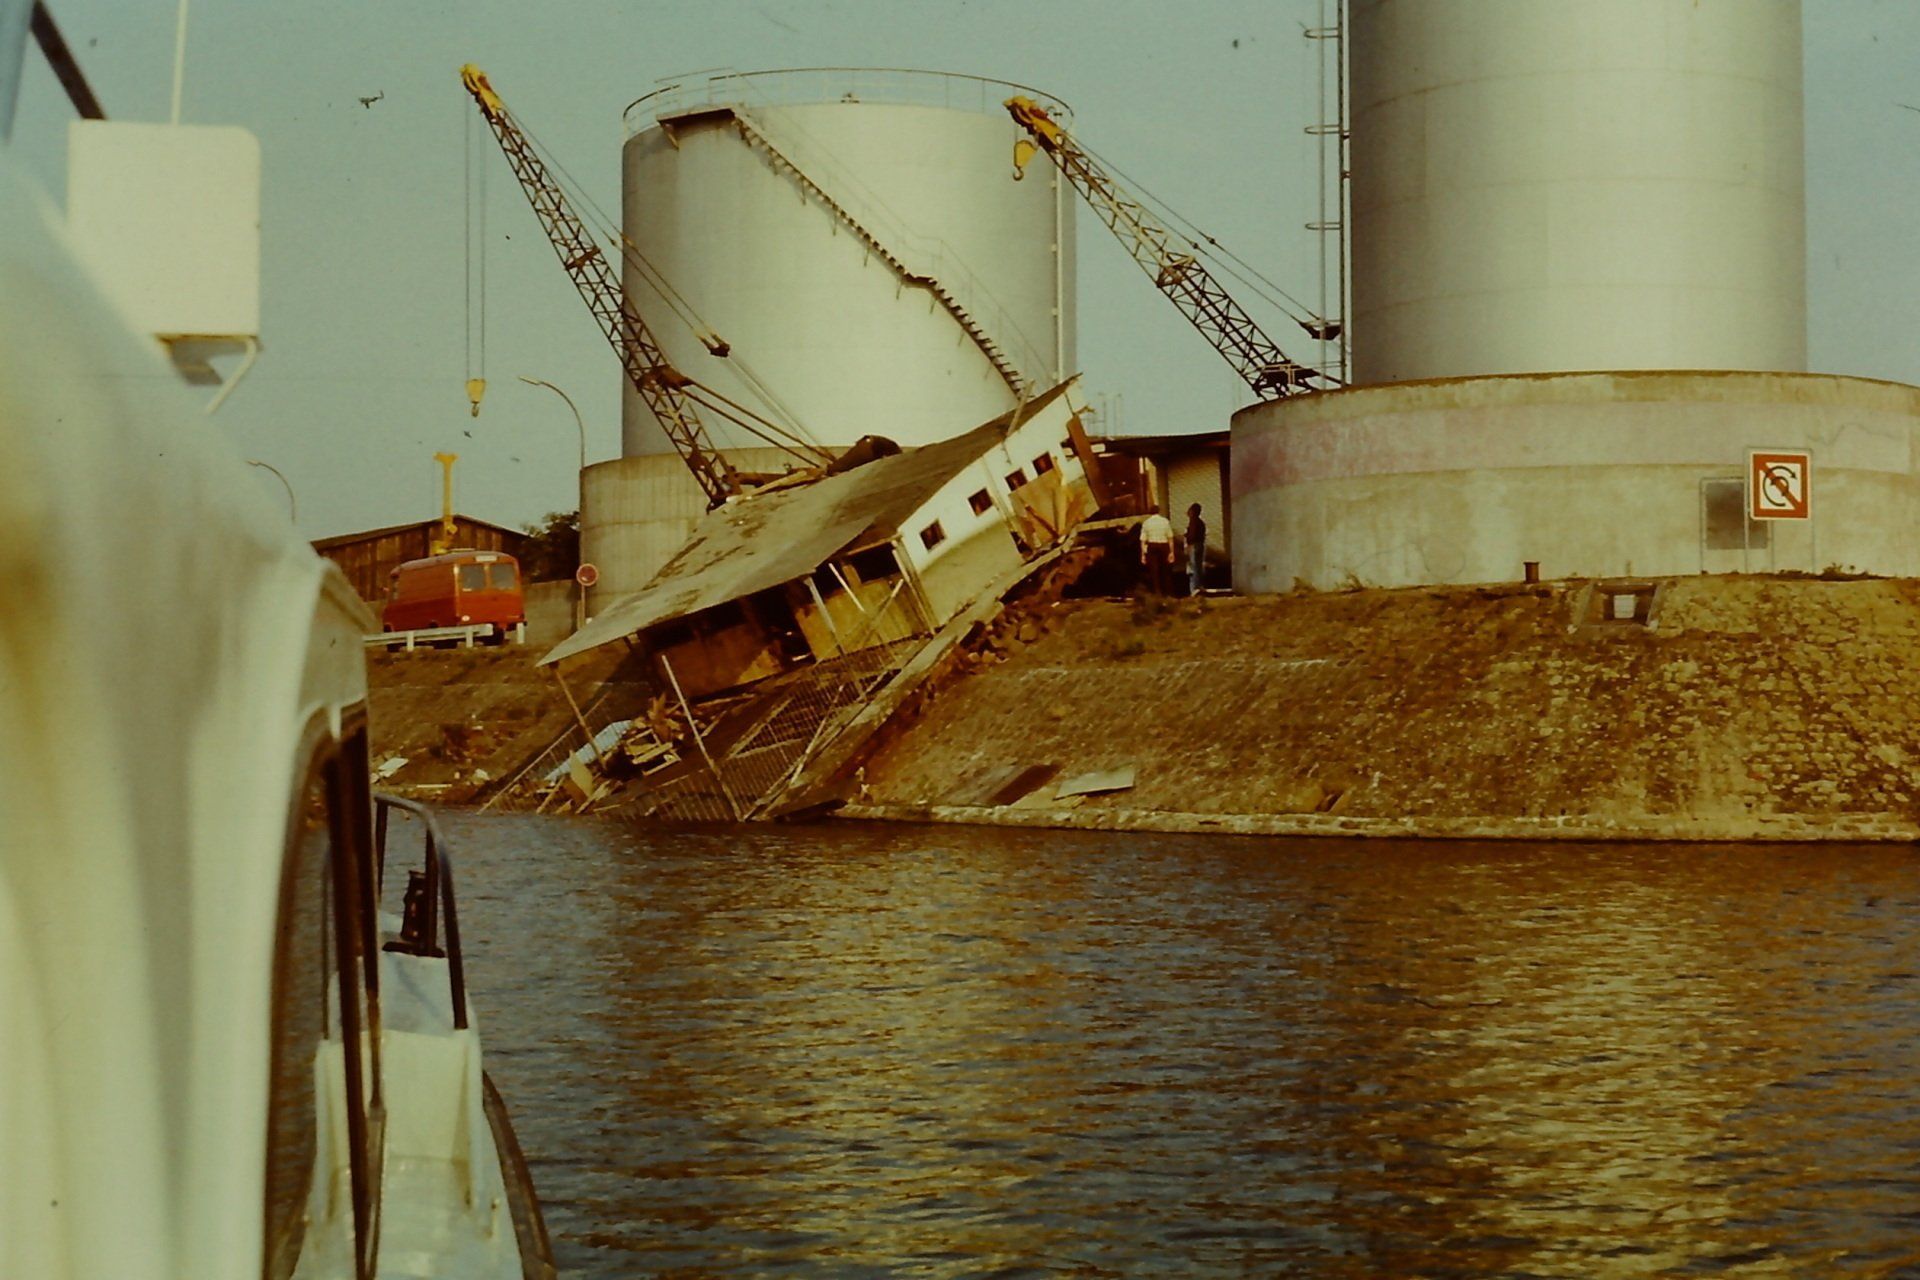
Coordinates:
1195 235
754 425
738 414
603 226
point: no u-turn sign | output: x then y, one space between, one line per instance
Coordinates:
1779 484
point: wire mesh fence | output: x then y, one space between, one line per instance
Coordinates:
534 781
801 712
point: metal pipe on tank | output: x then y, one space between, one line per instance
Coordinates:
803 215
1060 279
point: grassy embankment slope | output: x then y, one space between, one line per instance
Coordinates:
1752 708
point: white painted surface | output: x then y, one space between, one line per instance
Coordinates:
641 510
637 511
1588 474
979 547
822 320
1196 477
1544 186
146 771
171 655
168 218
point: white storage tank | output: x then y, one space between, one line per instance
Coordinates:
1547 187
858 240
636 511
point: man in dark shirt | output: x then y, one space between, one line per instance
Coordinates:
1196 550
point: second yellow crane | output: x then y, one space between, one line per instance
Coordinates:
1174 271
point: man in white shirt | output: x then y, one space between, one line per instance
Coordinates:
1156 549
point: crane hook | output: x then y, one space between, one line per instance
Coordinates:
1023 149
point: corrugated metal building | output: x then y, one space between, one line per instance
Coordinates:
369 558
1178 470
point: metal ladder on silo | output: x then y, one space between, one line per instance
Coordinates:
754 136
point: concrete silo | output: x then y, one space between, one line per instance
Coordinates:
1549 187
1578 301
855 240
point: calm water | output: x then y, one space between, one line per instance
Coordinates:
861 1050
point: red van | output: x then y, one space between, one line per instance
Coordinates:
460 588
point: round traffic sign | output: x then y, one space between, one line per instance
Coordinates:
586 575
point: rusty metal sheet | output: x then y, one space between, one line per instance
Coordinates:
1002 785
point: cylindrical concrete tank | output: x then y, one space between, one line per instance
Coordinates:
635 512
1543 187
858 239
1589 475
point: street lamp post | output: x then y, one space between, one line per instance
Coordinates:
580 501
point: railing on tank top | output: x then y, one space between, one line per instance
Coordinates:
929 256
722 86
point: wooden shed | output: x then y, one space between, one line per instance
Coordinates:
369 558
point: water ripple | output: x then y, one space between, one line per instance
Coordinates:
886 1051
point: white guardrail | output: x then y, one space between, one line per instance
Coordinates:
462 636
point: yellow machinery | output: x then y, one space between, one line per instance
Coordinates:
443 540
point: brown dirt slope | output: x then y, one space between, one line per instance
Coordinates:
454 713
1751 705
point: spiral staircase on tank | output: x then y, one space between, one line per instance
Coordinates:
945 276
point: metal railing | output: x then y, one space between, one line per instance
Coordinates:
464 636
905 86
429 892
928 257
524 787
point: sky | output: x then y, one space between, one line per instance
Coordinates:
364 266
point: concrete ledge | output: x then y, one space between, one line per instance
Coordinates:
1861 828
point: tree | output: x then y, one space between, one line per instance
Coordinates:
552 549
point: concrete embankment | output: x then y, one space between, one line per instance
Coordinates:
1733 708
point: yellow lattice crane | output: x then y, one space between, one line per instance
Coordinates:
669 393
1155 246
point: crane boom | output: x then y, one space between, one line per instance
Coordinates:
661 385
1178 274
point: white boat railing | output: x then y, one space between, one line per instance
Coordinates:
429 900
